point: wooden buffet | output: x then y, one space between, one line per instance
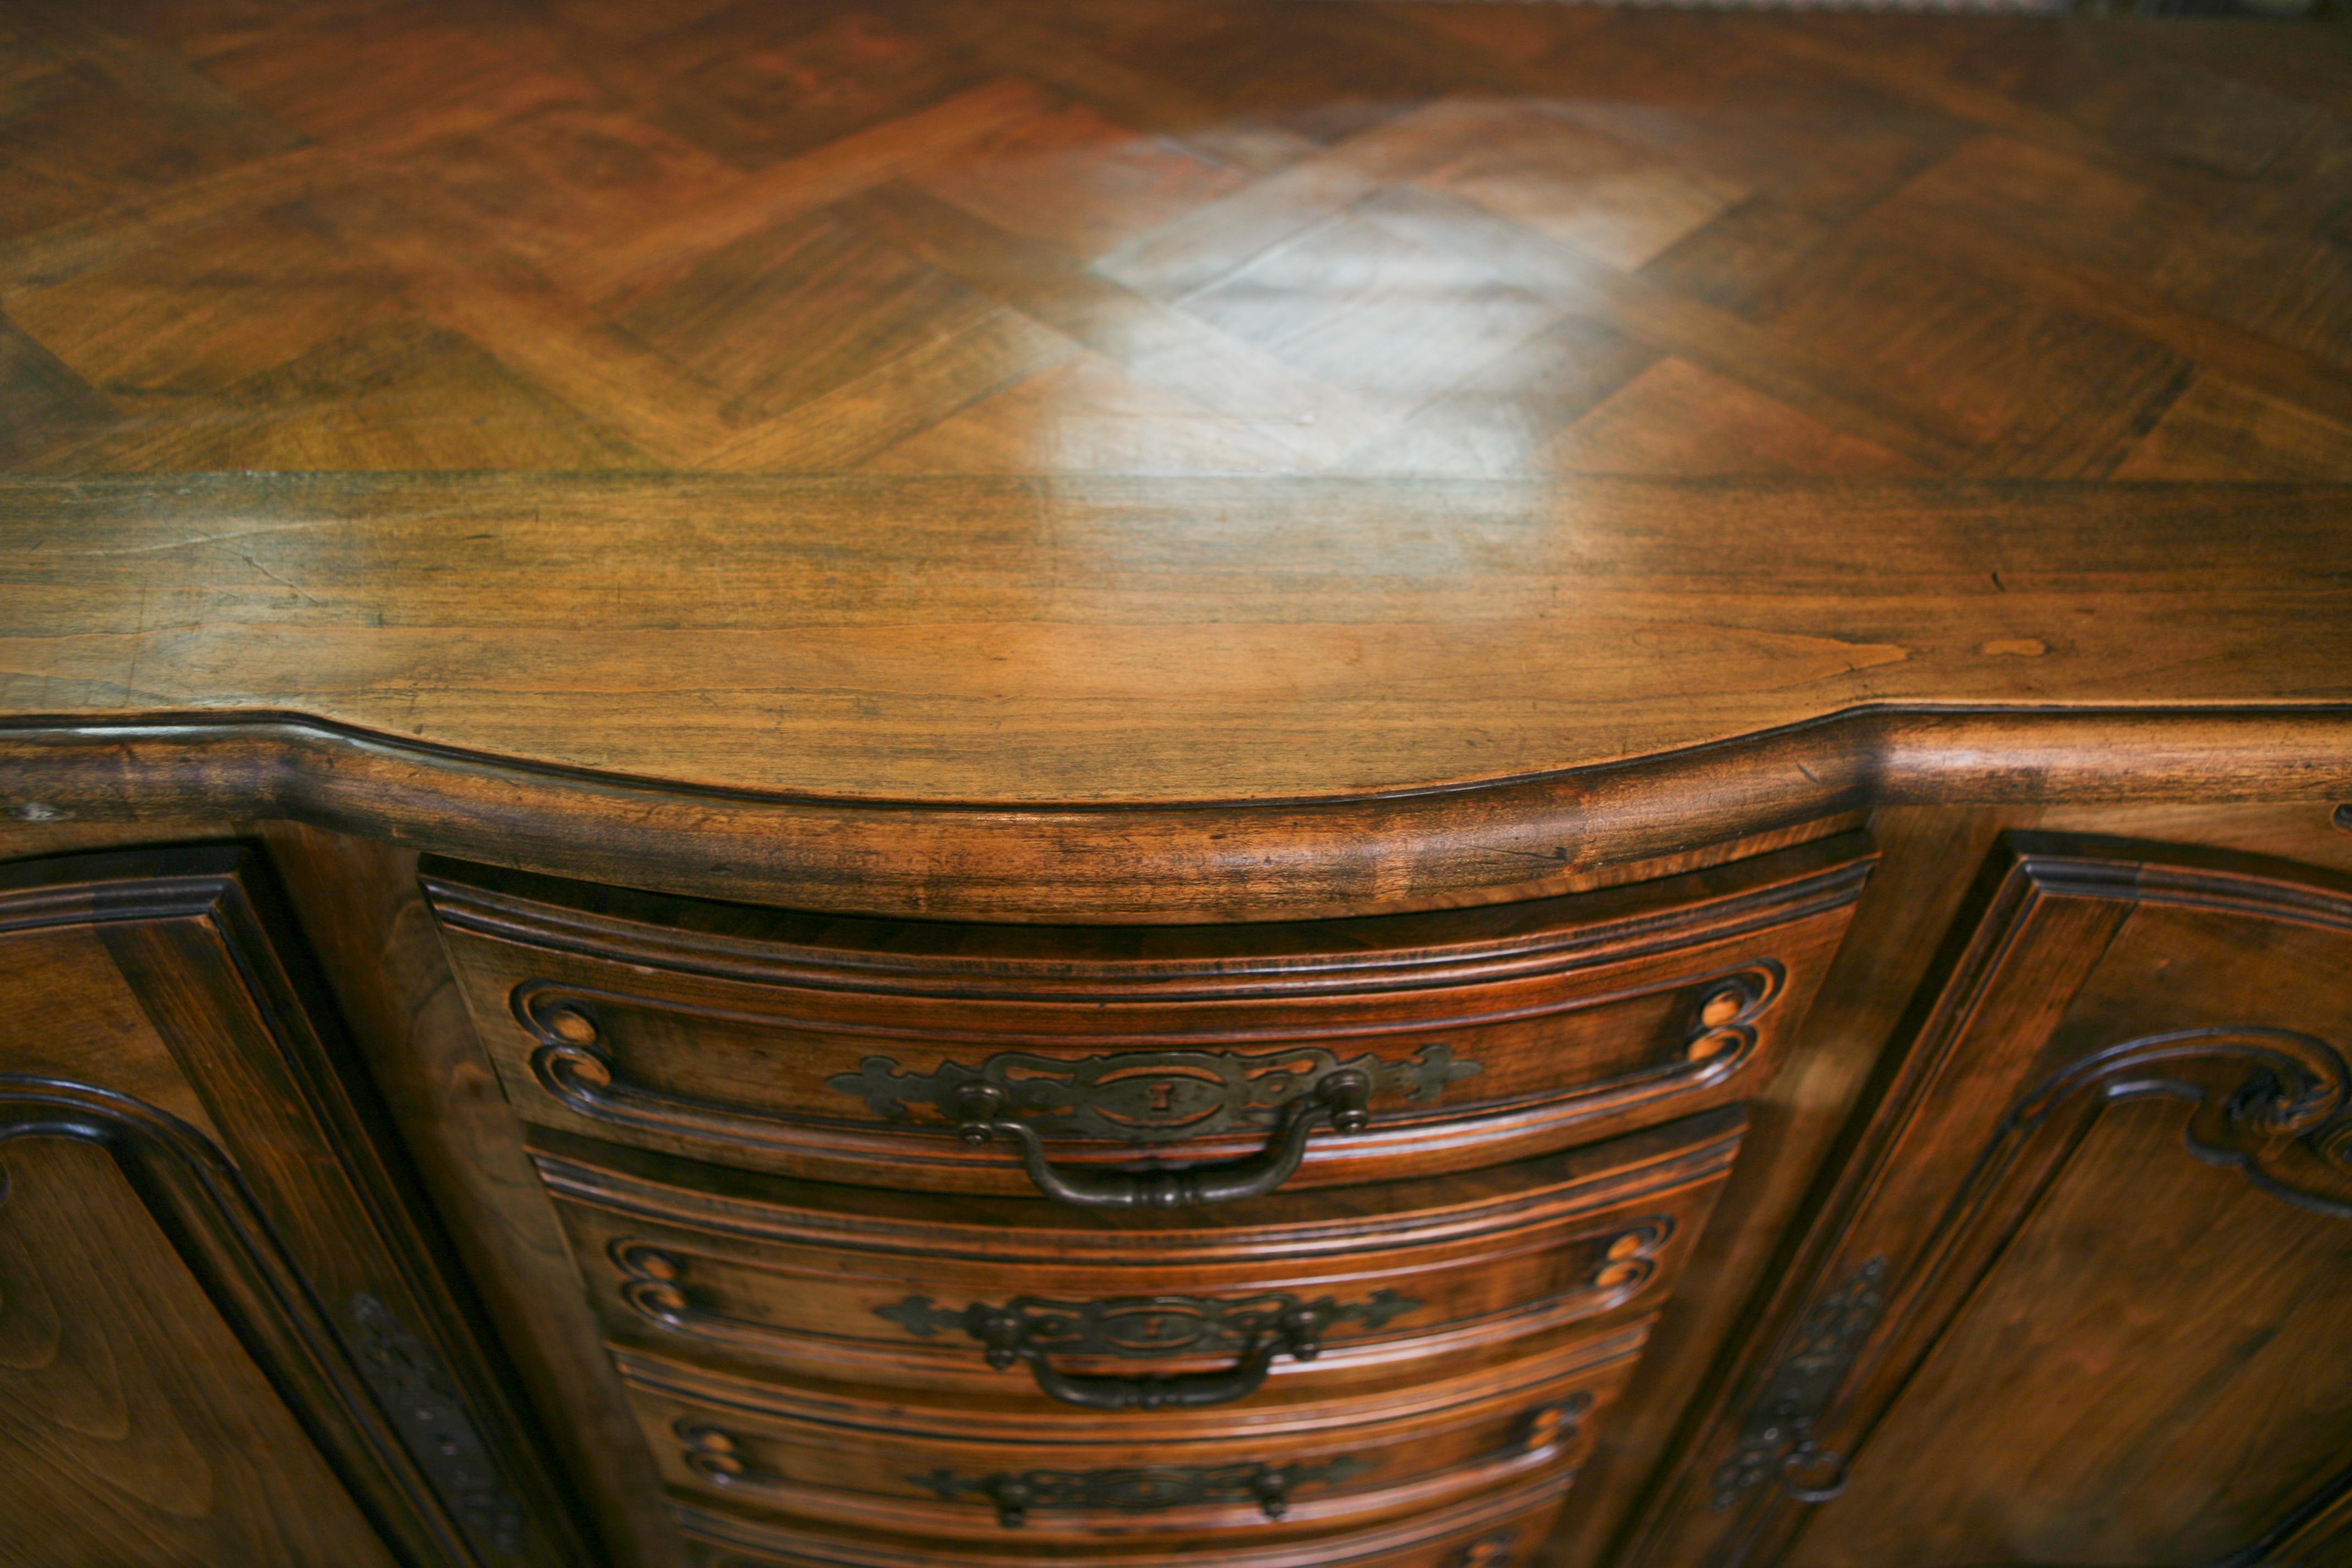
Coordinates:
1172 786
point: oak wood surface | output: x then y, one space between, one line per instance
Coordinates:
1072 407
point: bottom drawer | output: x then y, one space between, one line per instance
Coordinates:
979 1470
1504 1528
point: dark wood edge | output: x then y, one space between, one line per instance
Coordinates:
1156 862
1341 957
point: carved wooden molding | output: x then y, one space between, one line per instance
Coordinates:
417 1392
657 1285
1167 862
294 1202
2268 1103
1131 1096
1495 1551
394 1466
1732 999
1492 1520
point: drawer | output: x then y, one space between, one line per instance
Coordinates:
980 1469
1145 1066
1083 1312
1504 1528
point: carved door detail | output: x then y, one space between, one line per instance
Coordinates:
219 1339
2082 1293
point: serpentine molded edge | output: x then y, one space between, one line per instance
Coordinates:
1503 838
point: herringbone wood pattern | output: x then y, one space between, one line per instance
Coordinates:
1169 236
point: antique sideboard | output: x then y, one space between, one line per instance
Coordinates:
1172 786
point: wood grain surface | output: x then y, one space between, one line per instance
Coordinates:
1112 401
2076 1295
217 1348
1098 640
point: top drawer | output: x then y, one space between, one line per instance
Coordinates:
1154 1065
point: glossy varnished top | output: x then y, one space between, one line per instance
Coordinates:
1153 401
1095 638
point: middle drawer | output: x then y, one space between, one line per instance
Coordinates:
1016 1298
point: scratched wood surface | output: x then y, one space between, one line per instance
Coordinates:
1135 399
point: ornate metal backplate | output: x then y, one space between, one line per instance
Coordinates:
1779 1433
420 1397
1142 1327
1143 1489
1147 1096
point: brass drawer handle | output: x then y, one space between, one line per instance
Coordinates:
1297 1333
1026 1329
1132 1096
1341 1099
1152 1097
1143 1489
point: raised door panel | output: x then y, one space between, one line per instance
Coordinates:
2083 1296
136 1428
223 1336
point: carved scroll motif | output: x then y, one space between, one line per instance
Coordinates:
2266 1103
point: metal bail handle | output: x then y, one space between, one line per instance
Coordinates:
1298 1334
1342 1099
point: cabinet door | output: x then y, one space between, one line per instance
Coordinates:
2084 1294
222 1341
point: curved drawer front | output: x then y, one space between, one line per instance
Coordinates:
976 1470
1006 1297
1504 1528
1014 1059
